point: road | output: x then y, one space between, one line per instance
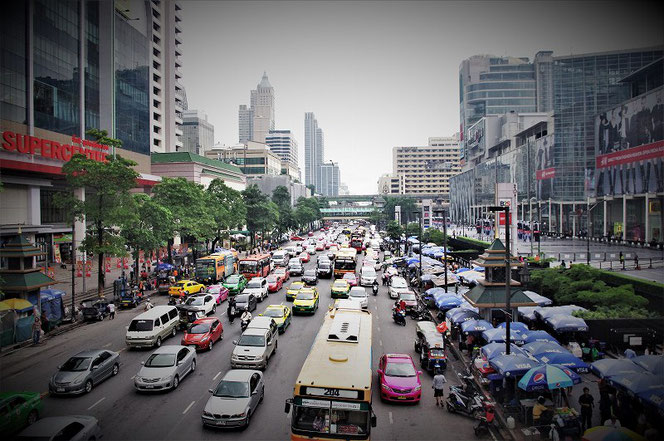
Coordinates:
176 415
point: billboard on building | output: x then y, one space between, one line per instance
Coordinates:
427 213
629 147
544 166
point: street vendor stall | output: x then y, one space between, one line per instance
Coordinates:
608 367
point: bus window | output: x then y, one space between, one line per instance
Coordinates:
311 419
248 266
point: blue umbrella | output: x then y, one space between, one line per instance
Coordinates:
534 336
637 383
427 277
492 350
475 326
434 291
515 326
461 270
548 311
528 312
540 300
566 323
651 363
164 267
543 347
608 367
500 335
512 365
463 316
564 359
445 303
548 377
654 397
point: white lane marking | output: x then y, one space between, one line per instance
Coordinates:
215 377
492 435
133 377
100 400
380 342
106 345
121 350
391 419
188 407
378 328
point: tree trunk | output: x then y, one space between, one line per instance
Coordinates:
214 243
170 255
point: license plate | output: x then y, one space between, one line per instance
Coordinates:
60 389
221 423
149 386
401 398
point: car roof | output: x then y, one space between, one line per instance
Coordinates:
240 374
168 349
4 396
309 288
400 358
205 320
298 282
49 426
90 352
275 307
255 331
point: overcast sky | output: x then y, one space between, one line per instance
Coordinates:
378 74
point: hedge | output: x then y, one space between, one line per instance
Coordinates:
640 285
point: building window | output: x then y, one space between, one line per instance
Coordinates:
50 213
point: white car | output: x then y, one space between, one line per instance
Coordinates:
298 249
359 294
206 303
397 285
165 368
311 250
258 287
367 275
74 427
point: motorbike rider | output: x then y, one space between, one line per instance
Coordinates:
374 287
148 305
231 309
246 316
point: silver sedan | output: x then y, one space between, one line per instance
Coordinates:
165 368
84 370
235 399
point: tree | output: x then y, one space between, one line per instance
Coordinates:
312 187
434 235
407 207
189 207
148 228
281 197
226 207
394 230
107 204
307 211
262 214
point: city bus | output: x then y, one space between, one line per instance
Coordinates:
332 394
255 266
215 267
345 261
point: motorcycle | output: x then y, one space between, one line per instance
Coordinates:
420 313
244 324
465 399
374 288
399 317
484 422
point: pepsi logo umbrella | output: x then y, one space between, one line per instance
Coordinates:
636 383
543 347
548 377
475 326
493 350
515 326
534 336
566 359
500 335
606 433
608 367
512 365
651 363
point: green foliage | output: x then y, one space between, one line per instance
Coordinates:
474 241
434 235
619 312
307 211
226 206
323 202
412 229
101 136
407 208
394 230
646 287
262 214
282 198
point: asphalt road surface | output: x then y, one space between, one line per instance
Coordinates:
125 414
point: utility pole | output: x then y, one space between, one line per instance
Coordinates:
444 245
73 269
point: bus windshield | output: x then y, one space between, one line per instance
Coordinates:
248 266
330 421
205 268
344 264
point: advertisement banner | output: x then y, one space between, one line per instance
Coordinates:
107 265
56 254
635 154
88 268
548 173
544 166
79 268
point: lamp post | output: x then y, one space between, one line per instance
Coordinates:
508 272
444 245
419 238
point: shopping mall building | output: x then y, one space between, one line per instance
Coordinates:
586 148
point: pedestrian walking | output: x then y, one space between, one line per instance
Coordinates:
621 257
587 403
36 328
636 262
111 311
231 309
562 264
439 381
141 287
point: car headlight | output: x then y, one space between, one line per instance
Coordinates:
418 388
137 378
207 337
387 388
239 415
207 414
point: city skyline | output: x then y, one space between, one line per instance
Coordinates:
346 69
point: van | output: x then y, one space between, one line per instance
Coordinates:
254 349
267 323
152 327
291 251
280 258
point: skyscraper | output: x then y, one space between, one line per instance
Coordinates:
246 124
283 144
313 150
329 179
255 123
197 132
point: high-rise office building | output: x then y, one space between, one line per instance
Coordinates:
197 132
283 144
329 179
245 124
167 96
313 150
255 122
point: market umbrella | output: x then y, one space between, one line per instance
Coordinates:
566 323
463 315
500 335
636 383
540 300
512 365
651 363
475 326
654 397
608 367
549 311
548 377
461 270
164 267
448 302
528 312
515 326
606 433
20 305
543 347
427 277
566 359
492 350
534 336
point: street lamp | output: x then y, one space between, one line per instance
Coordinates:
508 271
419 238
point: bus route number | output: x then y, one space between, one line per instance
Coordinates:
331 392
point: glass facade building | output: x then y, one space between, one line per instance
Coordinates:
13 65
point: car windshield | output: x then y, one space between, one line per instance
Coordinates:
195 301
400 370
349 276
251 340
272 279
368 271
399 283
232 389
306 295
76 364
310 273
214 289
141 325
242 298
407 296
296 264
254 283
233 279
199 329
357 293
160 360
340 285
273 312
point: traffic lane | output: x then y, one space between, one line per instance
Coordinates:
409 421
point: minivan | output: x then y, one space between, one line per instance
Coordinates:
254 349
152 327
280 258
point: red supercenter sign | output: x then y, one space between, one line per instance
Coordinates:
32 145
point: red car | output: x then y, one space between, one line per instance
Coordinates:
274 283
304 257
310 234
203 333
282 273
296 238
219 292
351 278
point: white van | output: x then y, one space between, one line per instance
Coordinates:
152 327
280 258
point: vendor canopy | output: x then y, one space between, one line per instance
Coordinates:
512 365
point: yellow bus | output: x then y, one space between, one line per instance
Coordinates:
215 267
332 394
345 261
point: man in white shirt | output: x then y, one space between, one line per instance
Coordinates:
439 381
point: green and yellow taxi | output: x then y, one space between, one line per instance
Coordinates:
340 289
185 288
235 283
306 301
281 314
293 290
17 410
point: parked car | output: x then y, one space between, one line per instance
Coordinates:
95 310
274 283
203 333
245 302
219 292
310 277
17 410
359 294
235 399
204 303
70 428
398 378
80 373
257 286
295 268
165 368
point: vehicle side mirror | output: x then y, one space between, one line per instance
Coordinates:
235 342
94 368
373 420
287 405
59 367
211 391
254 392
142 363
